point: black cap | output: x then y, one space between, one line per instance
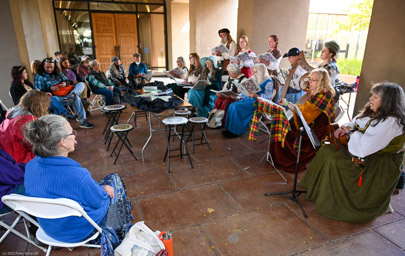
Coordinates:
57 53
224 30
292 52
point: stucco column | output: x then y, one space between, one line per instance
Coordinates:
35 30
384 56
206 18
178 35
258 19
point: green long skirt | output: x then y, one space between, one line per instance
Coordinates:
332 182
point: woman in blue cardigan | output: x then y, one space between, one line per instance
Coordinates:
241 112
52 174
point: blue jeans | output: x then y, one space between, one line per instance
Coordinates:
108 94
77 105
57 107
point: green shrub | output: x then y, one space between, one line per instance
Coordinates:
350 67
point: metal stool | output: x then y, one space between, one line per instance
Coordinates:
182 112
173 122
121 130
113 112
202 121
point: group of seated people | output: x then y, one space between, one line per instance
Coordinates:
34 148
34 145
376 135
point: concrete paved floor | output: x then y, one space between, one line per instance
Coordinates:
218 208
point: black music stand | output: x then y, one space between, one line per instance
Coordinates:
315 142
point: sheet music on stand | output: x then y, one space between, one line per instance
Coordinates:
312 136
288 113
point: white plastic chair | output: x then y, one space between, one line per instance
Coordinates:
50 209
3 106
11 228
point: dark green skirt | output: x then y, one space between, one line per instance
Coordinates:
332 182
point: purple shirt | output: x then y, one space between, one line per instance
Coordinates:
70 74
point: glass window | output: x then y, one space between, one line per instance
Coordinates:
152 40
113 7
71 5
75 34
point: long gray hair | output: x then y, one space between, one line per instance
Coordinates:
45 133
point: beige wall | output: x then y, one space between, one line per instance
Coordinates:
28 28
385 49
179 41
48 27
260 18
158 40
206 18
9 57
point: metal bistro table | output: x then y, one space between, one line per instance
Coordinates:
151 129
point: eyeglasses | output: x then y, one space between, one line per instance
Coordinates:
73 133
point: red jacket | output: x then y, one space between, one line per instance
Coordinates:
12 135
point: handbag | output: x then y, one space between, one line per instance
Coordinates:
215 118
63 91
140 241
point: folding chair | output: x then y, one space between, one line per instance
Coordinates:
3 106
50 209
10 228
98 102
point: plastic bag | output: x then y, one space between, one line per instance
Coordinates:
140 241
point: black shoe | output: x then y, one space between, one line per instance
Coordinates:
229 134
86 125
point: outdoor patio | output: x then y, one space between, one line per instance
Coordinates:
219 207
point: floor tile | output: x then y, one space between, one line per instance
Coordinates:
395 232
262 233
365 244
334 229
204 172
191 241
186 208
249 192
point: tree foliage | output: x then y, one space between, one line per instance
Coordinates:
358 17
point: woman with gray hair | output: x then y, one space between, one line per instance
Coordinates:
52 174
223 100
241 112
100 84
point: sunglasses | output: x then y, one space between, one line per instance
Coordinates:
49 60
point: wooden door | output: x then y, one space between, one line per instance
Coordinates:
104 38
126 36
115 35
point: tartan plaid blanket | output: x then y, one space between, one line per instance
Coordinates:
324 102
279 122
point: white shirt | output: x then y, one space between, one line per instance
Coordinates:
232 50
299 72
375 138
